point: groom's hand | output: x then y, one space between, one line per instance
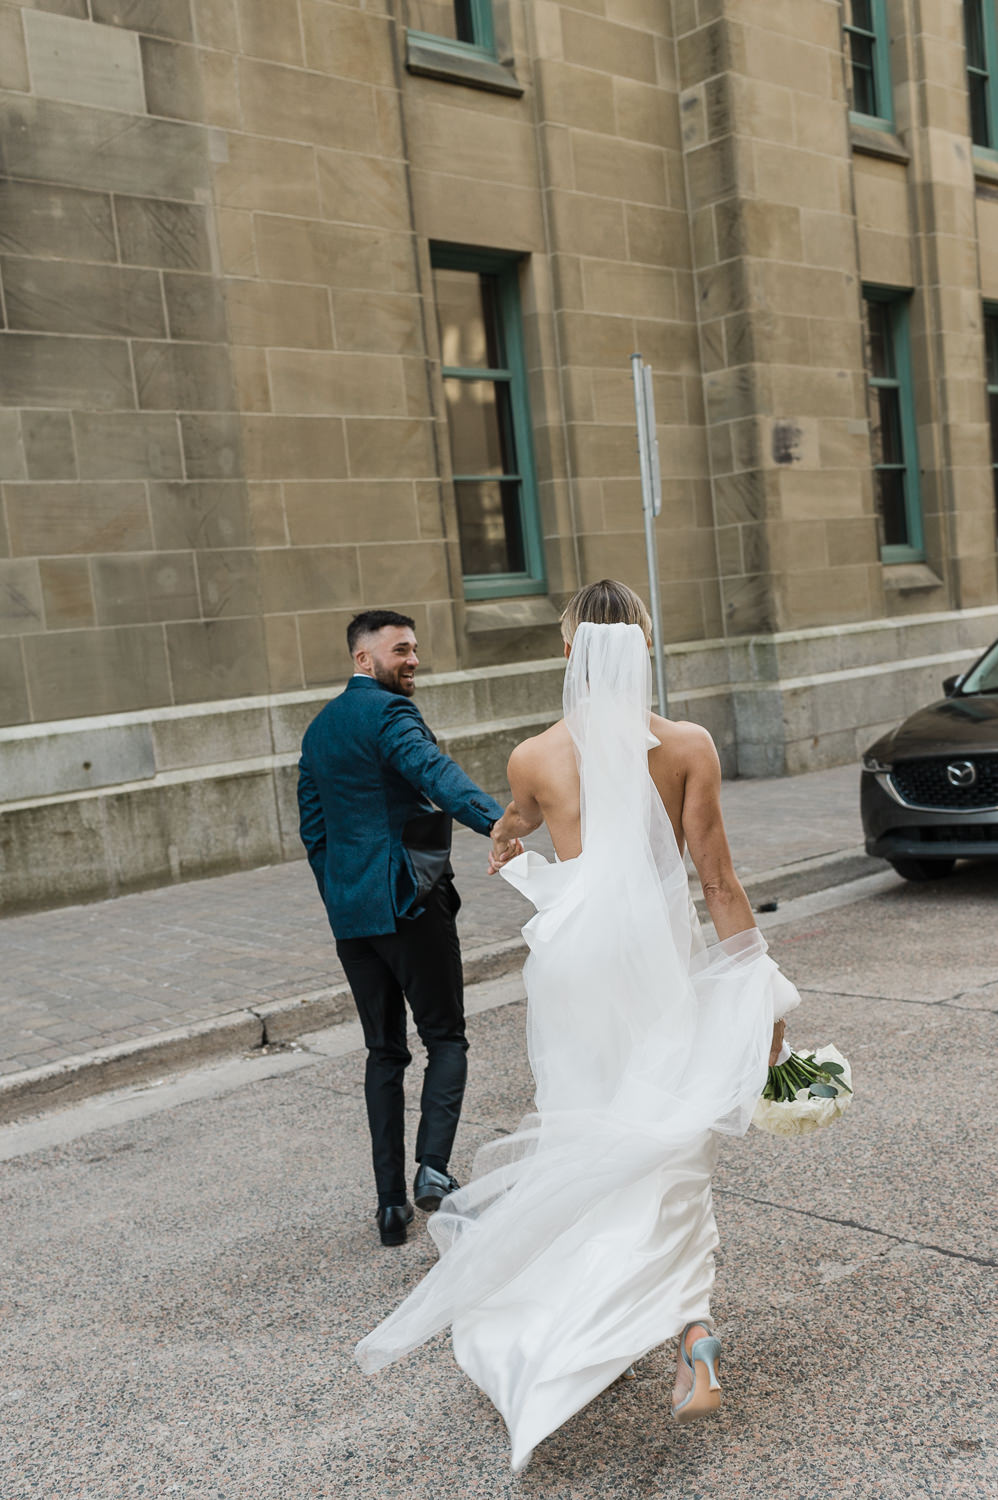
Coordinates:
502 851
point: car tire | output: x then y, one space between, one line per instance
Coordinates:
923 869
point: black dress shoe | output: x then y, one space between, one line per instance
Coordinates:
431 1187
392 1221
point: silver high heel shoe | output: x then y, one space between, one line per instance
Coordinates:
704 1396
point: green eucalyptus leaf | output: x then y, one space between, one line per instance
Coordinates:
824 1091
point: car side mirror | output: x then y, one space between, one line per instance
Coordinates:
950 684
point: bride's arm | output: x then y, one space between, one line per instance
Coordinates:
522 816
707 841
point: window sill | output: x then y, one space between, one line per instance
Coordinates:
985 166
485 617
871 139
910 578
454 62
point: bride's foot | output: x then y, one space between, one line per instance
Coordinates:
697 1391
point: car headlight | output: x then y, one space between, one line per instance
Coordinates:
874 763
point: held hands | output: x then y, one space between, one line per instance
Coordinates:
503 848
774 1051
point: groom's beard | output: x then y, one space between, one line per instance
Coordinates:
396 679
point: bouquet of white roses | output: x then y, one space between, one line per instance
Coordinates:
803 1092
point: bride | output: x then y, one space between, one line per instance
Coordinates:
587 1237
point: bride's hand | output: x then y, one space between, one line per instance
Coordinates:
501 852
774 1050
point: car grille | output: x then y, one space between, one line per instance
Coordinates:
924 783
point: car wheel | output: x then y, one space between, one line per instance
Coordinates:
923 869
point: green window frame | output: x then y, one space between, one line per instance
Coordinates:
991 366
499 280
893 434
478 54
474 27
980 29
869 63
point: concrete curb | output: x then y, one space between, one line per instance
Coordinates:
38 1090
806 877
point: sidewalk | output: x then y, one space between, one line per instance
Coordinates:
168 976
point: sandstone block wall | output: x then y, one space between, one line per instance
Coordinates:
222 423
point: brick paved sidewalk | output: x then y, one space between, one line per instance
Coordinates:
85 977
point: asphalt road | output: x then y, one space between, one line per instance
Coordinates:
186 1268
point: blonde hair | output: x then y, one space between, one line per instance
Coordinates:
605 603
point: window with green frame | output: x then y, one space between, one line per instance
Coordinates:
894 447
991 352
980 28
454 24
485 387
867 51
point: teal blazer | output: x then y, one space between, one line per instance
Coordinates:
369 764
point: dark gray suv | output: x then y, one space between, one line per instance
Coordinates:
929 792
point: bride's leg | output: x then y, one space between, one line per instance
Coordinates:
700 1353
684 1375
702 1327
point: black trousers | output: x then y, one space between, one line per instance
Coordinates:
421 964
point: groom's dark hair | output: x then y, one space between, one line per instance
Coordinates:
370 621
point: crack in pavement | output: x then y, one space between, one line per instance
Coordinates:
977 1260
951 1000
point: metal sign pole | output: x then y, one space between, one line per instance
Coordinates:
651 503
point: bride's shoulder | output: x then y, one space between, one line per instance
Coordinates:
680 736
540 745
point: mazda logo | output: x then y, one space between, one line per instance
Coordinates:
961 773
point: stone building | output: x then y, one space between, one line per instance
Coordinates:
310 305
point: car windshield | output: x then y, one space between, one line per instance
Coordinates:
984 677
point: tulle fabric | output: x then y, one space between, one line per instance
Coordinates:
586 1237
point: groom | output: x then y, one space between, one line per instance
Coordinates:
369 775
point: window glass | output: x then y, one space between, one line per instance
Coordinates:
467 319
984 678
480 430
488 423
991 347
979 34
879 353
891 507
867 58
450 18
892 431
489 524
973 20
864 94
885 426
991 363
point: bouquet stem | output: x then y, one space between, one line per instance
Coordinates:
822 1080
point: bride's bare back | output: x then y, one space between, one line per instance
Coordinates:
544 779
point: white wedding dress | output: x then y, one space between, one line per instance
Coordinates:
586 1238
